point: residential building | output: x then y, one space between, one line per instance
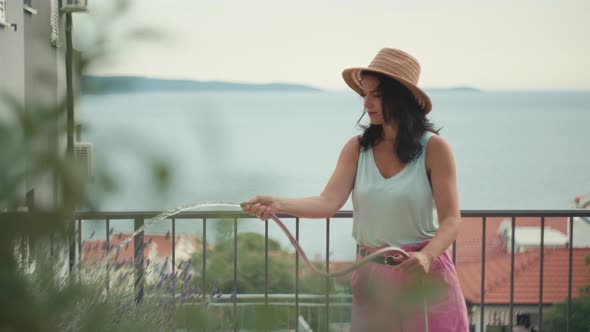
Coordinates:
32 73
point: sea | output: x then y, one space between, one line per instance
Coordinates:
513 150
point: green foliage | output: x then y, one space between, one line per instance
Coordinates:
38 294
579 319
556 319
251 278
250 249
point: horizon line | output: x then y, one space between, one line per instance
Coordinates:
343 89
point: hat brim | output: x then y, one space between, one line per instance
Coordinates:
352 77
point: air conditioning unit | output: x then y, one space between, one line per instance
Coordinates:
83 158
70 6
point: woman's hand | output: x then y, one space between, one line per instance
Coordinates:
261 207
418 263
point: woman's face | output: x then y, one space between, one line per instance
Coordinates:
372 97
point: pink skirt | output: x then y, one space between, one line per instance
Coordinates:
387 300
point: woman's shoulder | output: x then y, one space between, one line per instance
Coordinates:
436 142
439 149
354 140
352 147
427 136
353 143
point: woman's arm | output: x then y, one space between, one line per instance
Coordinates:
441 164
326 204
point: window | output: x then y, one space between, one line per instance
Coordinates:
3 12
74 5
28 7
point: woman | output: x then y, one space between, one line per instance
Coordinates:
398 170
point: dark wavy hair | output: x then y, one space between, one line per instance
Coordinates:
399 105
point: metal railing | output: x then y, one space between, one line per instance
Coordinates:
513 214
139 219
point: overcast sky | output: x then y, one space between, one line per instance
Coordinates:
502 44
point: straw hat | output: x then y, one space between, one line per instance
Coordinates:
396 64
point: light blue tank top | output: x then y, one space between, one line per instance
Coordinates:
392 211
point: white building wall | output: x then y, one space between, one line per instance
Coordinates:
500 315
12 72
581 234
32 71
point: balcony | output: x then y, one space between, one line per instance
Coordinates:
513 266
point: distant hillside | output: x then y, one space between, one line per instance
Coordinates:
453 89
131 84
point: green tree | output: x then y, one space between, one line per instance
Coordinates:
250 278
555 321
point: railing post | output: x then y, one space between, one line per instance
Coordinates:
108 245
327 323
72 246
297 277
266 268
138 244
173 245
512 241
541 273
79 247
483 276
204 269
235 288
569 278
266 264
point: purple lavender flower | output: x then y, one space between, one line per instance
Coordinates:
186 267
170 288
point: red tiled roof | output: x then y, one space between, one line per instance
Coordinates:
161 245
526 265
469 240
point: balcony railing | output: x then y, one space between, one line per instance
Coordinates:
326 300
